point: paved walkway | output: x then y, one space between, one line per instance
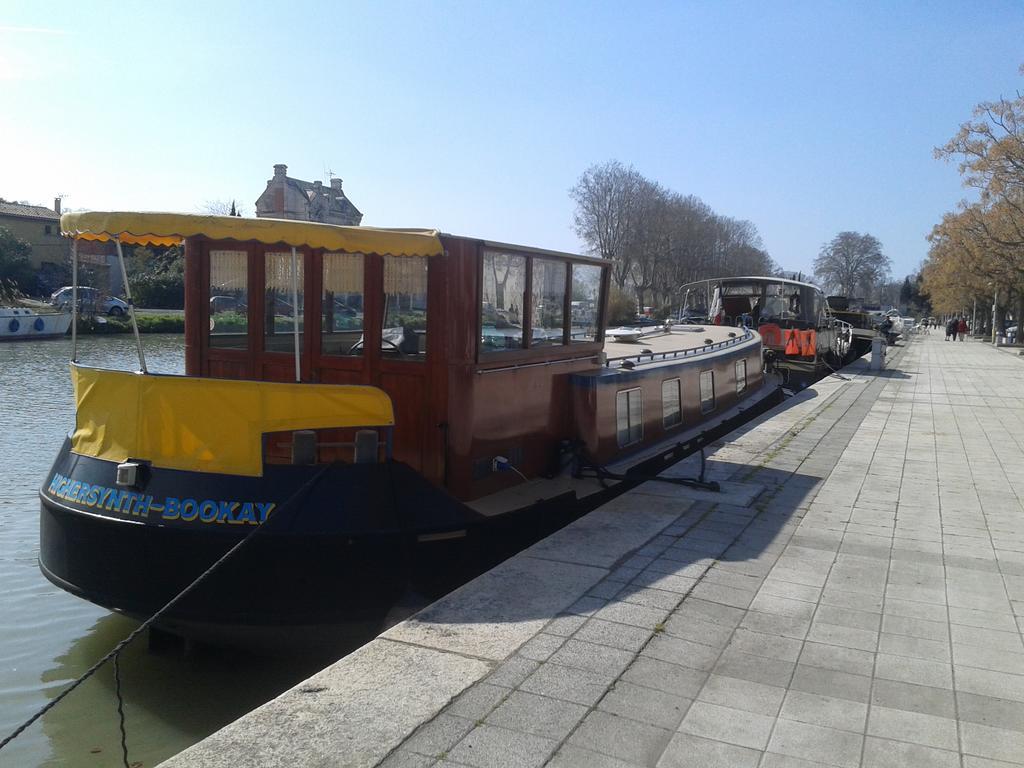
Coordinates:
864 610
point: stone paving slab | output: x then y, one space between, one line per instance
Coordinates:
863 608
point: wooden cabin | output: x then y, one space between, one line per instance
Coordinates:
476 346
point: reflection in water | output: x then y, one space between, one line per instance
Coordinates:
172 699
48 637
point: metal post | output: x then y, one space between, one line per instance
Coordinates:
131 306
74 301
295 314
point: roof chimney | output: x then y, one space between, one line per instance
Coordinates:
280 170
56 204
336 183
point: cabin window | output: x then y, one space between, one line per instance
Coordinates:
280 308
782 302
404 334
586 303
671 403
741 376
707 391
503 300
341 305
629 416
547 302
229 299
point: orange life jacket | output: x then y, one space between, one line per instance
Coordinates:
792 343
808 346
771 334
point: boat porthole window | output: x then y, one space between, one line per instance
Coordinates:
585 304
741 376
341 304
629 416
707 391
502 302
547 302
229 299
404 332
280 308
671 403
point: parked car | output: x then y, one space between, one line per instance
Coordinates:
690 317
226 304
643 321
341 308
90 299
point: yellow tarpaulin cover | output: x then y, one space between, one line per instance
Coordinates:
172 228
208 425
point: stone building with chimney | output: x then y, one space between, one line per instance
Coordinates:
289 198
50 257
39 226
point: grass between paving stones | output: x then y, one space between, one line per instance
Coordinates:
786 440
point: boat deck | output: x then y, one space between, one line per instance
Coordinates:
656 340
528 492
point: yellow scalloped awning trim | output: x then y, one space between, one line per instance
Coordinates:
172 228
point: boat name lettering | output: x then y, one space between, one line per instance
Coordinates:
135 504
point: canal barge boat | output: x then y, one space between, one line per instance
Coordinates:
28 324
793 319
377 406
863 325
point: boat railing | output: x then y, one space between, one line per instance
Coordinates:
542 364
650 357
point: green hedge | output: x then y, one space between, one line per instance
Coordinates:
163 291
161 323
230 322
147 324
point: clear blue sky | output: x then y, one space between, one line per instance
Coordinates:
477 117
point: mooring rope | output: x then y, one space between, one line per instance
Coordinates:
120 710
116 650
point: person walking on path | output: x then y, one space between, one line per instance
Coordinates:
962 328
951 327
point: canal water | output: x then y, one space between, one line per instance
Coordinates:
48 638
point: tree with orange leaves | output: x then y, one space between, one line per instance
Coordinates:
978 250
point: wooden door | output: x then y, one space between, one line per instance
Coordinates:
404 350
276 313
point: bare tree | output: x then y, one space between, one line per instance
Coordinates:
220 207
648 243
852 264
659 240
606 201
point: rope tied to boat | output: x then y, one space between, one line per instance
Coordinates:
115 652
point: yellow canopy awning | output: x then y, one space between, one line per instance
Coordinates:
172 228
207 425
